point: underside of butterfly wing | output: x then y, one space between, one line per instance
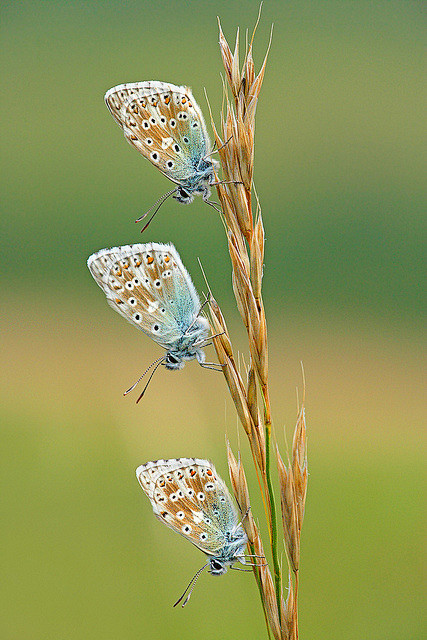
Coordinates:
150 287
165 124
189 497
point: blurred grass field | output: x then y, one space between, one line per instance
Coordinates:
339 171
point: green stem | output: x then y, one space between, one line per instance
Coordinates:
296 573
273 521
258 581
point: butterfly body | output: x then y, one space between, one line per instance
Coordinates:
165 124
189 497
150 287
184 348
199 184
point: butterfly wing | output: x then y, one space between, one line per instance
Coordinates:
165 124
189 497
150 287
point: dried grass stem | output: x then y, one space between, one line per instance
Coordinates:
245 239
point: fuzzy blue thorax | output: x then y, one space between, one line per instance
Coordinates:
185 348
197 184
232 552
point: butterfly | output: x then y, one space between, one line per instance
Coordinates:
150 287
165 124
188 496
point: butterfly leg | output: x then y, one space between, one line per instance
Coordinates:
219 148
215 184
213 205
246 513
213 365
208 344
216 335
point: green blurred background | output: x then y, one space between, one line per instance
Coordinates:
339 172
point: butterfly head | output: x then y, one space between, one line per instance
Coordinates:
217 567
174 361
184 195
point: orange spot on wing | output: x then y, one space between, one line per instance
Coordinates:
167 258
167 100
209 472
150 259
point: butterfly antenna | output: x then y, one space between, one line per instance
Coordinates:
158 202
190 586
149 379
162 198
140 378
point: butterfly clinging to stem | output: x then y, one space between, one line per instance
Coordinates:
188 496
165 124
150 287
